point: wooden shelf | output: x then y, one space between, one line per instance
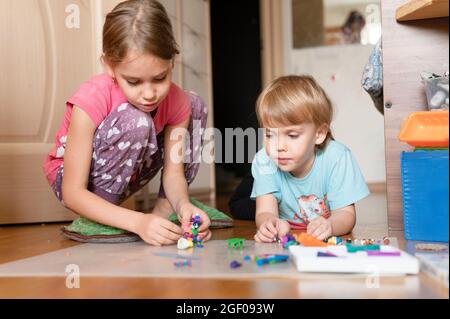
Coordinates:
422 9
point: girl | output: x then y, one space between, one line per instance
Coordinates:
118 126
303 179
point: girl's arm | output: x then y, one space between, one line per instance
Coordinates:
77 162
174 180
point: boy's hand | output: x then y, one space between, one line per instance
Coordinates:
320 228
158 231
185 213
271 229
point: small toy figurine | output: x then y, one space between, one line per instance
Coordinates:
190 237
236 243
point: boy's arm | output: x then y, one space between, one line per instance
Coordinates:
77 162
343 220
266 208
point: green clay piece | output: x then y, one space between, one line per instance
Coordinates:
354 249
236 242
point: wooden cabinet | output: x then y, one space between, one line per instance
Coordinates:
408 49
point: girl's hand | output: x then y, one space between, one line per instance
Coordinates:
271 229
320 228
158 231
186 211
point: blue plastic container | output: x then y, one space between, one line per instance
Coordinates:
425 195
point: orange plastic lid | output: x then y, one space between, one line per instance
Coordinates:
425 129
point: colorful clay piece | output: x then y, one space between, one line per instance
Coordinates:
325 254
271 259
288 240
354 248
367 242
185 263
183 243
191 237
334 240
235 264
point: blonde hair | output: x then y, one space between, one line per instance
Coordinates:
293 100
138 24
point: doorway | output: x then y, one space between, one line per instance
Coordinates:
237 79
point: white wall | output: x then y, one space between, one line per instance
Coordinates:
357 123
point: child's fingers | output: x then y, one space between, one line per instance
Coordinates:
319 231
166 233
162 240
261 238
206 235
186 219
283 228
171 227
264 235
272 229
264 229
151 242
312 226
206 222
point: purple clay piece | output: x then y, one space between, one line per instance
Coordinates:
235 264
326 254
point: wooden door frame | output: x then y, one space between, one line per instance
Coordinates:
272 46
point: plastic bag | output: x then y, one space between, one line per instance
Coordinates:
436 88
372 78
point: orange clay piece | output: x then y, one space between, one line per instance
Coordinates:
309 241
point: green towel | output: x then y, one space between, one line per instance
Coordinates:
218 218
86 227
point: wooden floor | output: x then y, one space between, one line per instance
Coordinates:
17 242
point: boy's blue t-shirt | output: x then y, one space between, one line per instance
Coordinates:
335 181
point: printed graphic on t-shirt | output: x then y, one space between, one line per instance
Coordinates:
312 207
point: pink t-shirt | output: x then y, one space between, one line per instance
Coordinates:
98 97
